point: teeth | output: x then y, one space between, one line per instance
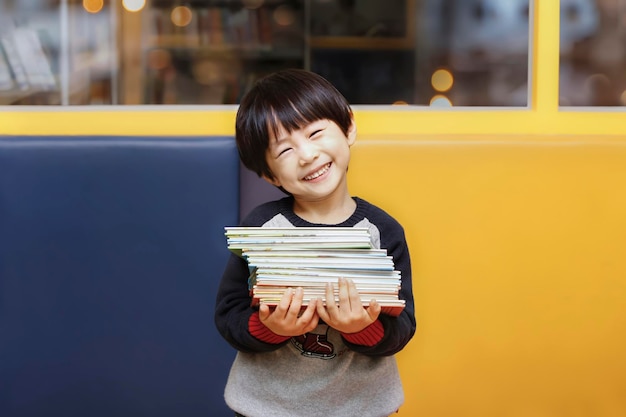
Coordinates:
318 173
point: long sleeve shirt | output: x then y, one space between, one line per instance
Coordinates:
323 372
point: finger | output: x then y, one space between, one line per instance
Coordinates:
309 319
374 310
264 312
331 306
296 302
285 301
312 325
353 293
344 293
322 311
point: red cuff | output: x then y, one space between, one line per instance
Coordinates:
261 332
369 336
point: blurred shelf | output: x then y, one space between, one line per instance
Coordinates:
359 42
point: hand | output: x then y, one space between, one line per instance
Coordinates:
288 319
349 316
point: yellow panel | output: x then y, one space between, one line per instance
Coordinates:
519 271
380 122
117 122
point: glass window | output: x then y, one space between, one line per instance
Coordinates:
135 52
593 53
30 45
57 53
480 47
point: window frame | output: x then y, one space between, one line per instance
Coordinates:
543 116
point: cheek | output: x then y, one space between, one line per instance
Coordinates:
281 170
343 150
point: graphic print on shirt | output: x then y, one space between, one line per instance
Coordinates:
314 345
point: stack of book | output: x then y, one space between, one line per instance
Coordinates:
311 257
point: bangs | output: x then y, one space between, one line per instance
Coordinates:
288 118
296 98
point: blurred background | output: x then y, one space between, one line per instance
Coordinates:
514 218
416 52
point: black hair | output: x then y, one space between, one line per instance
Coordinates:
290 99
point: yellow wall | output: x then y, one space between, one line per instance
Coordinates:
519 271
515 220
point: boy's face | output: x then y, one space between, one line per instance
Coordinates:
311 163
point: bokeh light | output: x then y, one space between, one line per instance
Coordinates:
440 100
133 5
181 16
284 15
442 80
93 6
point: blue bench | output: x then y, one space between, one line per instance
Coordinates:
111 249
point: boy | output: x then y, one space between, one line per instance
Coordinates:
295 130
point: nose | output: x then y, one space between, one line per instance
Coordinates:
308 152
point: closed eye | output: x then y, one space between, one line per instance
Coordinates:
315 133
283 151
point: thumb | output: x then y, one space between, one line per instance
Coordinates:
264 312
373 310
321 311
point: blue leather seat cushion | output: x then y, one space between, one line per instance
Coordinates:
111 249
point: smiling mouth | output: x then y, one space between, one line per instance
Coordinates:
321 171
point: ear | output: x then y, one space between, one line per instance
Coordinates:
352 133
272 181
